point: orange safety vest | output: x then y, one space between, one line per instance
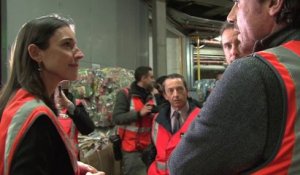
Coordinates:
18 116
165 143
286 158
137 135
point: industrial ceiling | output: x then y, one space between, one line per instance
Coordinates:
198 17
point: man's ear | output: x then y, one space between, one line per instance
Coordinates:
144 77
165 96
34 52
275 6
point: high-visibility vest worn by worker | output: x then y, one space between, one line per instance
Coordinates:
281 59
165 142
23 110
137 135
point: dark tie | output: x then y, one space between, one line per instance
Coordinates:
176 126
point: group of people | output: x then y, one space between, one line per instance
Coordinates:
248 125
152 116
150 124
250 122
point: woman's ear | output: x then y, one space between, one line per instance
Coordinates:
275 7
34 52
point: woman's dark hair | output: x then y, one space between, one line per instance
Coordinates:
24 71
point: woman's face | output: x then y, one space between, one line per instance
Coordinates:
60 61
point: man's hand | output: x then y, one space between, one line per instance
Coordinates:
146 109
63 101
86 169
98 173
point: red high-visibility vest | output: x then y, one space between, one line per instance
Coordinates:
137 135
165 143
18 116
286 157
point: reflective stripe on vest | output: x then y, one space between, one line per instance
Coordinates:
135 128
69 128
14 128
162 166
20 122
155 131
286 60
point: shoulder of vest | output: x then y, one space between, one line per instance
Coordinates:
37 106
288 46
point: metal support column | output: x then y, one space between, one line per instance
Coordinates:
159 37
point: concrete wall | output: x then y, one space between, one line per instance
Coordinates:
110 32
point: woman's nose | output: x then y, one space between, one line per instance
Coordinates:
78 54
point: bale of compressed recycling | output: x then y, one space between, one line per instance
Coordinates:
98 88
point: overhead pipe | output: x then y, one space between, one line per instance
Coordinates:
189 18
198 59
209 26
206 42
211 67
212 62
210 42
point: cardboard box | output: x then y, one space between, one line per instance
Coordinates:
103 160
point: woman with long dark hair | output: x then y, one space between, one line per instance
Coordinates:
32 141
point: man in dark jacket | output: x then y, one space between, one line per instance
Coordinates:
250 122
132 113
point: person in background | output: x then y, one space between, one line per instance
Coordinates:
158 92
132 113
230 42
32 141
159 96
172 121
72 114
250 123
231 47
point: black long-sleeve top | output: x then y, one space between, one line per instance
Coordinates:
82 120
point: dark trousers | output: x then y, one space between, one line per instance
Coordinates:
133 164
